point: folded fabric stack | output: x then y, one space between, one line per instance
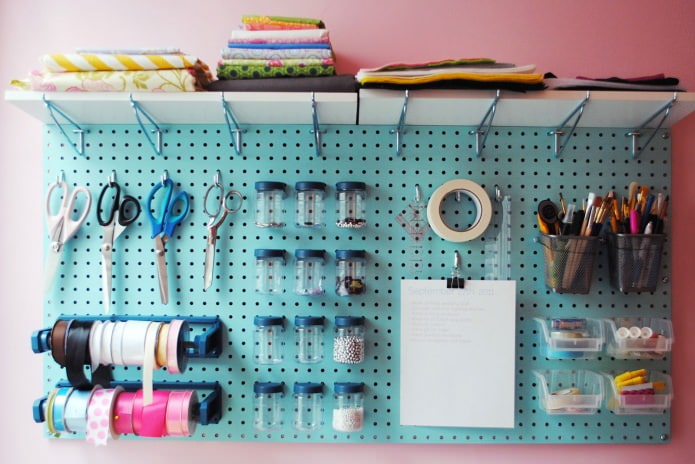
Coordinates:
277 46
150 70
652 83
463 73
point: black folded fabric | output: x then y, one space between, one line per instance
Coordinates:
457 84
339 83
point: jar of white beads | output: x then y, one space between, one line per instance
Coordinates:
348 342
350 202
348 408
267 405
308 406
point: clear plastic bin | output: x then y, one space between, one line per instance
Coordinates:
653 342
656 403
570 338
569 391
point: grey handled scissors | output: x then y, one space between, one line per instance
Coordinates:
62 226
226 205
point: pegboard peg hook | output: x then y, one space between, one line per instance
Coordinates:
77 129
480 133
139 110
560 130
317 129
400 129
455 281
112 178
236 131
164 177
636 133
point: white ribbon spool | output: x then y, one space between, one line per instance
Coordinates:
479 197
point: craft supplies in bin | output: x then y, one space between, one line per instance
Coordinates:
270 270
270 204
268 410
310 210
350 270
348 407
569 391
634 261
569 262
308 331
638 392
639 337
351 204
308 406
348 342
570 338
309 272
268 339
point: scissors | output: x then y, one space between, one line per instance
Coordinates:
163 226
119 215
216 220
62 226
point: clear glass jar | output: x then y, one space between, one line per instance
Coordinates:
350 270
270 204
348 340
268 410
308 406
309 272
268 339
348 407
270 270
350 204
308 336
310 210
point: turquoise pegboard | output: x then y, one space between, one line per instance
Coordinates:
519 160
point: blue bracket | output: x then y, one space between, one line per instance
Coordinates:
209 410
52 109
207 344
317 131
139 110
560 131
234 133
479 131
636 133
400 129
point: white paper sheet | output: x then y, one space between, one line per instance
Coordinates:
458 353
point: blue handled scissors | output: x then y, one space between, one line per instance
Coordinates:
163 226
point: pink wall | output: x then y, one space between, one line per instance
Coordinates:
591 37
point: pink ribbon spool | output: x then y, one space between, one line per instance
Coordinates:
180 421
150 420
123 414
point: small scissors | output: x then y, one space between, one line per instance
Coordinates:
163 227
119 215
216 220
62 226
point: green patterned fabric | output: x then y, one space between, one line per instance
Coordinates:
249 71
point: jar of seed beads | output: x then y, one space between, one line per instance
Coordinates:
270 207
268 339
308 336
309 275
350 272
270 264
348 341
309 205
348 408
350 202
308 406
267 405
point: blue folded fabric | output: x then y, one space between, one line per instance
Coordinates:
277 46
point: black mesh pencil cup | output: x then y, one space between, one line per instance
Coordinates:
634 261
569 262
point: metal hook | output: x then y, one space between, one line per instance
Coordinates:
455 281
478 132
165 177
234 133
217 178
498 194
636 133
60 177
418 193
112 178
316 130
400 129
560 131
137 108
52 109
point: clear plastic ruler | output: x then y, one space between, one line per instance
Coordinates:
498 248
413 219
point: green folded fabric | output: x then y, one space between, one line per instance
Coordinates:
226 71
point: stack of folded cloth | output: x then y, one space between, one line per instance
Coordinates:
277 46
653 83
142 70
463 73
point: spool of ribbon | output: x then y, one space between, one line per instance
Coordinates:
100 415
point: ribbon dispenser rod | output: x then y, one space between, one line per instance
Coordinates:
560 130
139 110
637 133
236 131
79 131
317 131
480 133
400 128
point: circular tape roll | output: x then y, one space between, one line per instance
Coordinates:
482 218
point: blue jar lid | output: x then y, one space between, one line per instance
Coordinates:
299 186
342 186
304 254
308 387
268 320
348 387
268 253
347 254
303 321
268 387
270 185
348 321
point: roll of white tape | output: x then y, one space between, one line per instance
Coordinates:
479 197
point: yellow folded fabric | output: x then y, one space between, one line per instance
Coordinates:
70 62
492 77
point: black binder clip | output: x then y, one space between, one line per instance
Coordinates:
456 281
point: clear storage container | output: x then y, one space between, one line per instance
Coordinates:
570 338
310 210
309 272
308 332
348 407
350 272
268 339
351 204
268 410
270 204
651 397
569 391
308 406
270 271
348 342
639 337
